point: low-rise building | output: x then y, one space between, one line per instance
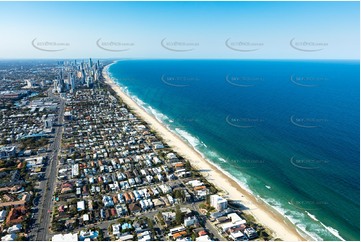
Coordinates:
236 222
16 215
9 237
16 228
251 233
189 221
7 152
81 205
2 215
65 237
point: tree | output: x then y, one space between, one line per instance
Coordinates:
101 235
110 228
208 199
178 215
58 225
188 165
160 218
22 238
150 223
202 206
193 237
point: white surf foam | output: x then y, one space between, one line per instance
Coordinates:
313 217
333 231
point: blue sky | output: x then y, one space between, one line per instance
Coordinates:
254 30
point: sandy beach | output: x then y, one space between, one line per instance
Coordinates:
232 190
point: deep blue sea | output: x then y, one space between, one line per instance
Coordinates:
288 131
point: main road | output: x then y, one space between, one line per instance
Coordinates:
50 176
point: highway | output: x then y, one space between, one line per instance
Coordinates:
45 207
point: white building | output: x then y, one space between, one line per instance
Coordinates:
128 237
236 236
195 183
81 205
9 237
7 151
48 123
116 230
2 216
144 236
189 221
34 162
108 201
203 238
15 228
75 170
236 222
218 202
65 237
86 217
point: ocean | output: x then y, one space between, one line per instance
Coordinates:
286 130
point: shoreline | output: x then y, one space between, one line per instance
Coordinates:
260 211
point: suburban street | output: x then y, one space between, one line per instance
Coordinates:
208 225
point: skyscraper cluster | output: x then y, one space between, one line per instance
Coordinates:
77 74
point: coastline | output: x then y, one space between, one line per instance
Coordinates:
260 211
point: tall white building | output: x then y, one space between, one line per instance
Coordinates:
72 82
218 202
48 123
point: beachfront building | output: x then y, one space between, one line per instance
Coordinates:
237 236
251 233
236 222
218 202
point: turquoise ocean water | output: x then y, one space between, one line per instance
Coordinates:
288 131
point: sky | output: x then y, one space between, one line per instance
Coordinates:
180 30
